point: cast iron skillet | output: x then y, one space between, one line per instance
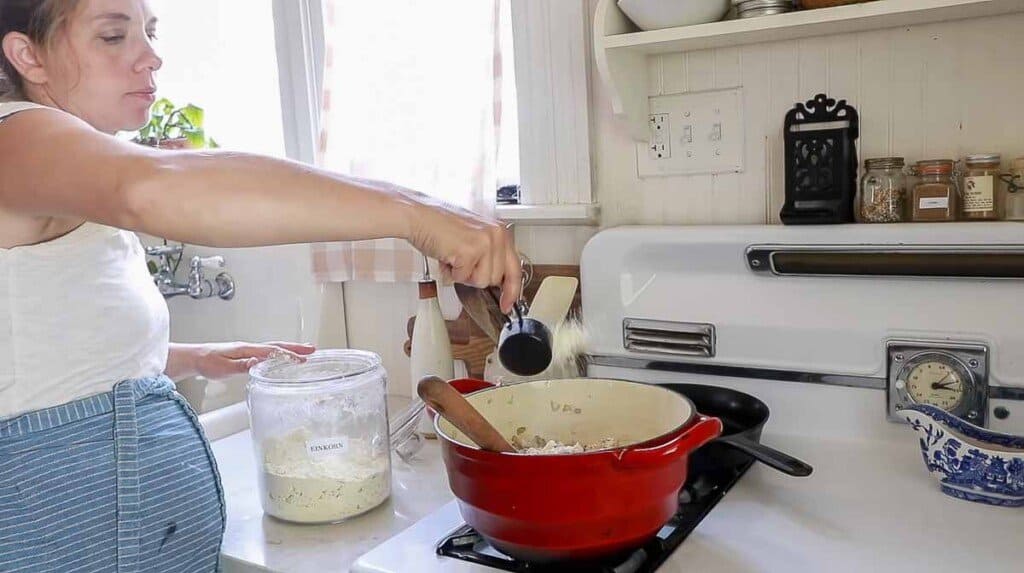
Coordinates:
743 417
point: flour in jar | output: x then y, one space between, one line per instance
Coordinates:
315 481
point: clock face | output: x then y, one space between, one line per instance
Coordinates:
937 382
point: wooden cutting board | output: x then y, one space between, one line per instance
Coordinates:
472 345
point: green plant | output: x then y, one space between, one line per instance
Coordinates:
170 123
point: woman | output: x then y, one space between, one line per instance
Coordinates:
102 465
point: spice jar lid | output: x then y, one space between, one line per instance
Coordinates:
983 158
935 166
747 8
883 162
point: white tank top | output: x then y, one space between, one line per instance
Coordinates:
77 315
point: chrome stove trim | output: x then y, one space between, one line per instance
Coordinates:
954 262
994 392
738 371
1005 393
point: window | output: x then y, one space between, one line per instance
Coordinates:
413 96
266 100
544 138
551 57
221 56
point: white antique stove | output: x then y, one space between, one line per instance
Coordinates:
818 322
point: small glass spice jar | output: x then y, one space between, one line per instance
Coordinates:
982 188
882 197
1014 203
935 196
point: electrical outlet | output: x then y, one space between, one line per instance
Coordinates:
660 145
709 134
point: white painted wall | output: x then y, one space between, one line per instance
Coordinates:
376 315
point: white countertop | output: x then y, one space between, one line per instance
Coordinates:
255 542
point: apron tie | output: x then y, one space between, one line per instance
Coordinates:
126 454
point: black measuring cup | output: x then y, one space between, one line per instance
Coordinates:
524 345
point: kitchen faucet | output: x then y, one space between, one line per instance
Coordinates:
198 286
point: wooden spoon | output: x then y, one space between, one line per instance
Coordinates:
453 406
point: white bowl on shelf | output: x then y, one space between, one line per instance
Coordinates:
657 14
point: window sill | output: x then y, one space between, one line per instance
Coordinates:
585 214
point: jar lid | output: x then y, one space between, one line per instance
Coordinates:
983 158
883 162
763 4
935 166
768 7
321 366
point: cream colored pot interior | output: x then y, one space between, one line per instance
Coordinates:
583 410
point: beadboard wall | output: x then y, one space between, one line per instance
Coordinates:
934 91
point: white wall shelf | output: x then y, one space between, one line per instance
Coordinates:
621 49
578 214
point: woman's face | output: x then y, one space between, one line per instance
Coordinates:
101 67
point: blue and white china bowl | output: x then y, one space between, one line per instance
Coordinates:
970 462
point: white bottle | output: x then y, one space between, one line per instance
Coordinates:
431 353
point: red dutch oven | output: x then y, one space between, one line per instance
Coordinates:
575 507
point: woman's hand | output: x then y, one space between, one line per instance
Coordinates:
472 249
221 360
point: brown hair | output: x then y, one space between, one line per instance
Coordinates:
40 20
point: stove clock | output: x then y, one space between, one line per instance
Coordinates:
953 377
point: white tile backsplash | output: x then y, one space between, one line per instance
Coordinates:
276 298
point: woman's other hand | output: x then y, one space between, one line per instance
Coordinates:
221 360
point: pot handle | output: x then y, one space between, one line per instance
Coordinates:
705 429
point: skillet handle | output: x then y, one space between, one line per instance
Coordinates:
705 429
785 463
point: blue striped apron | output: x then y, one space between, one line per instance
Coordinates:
123 481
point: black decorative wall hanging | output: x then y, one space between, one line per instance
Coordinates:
821 162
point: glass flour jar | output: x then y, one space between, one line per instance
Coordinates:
320 433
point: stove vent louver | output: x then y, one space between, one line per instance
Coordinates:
672 338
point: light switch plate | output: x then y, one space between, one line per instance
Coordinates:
705 134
